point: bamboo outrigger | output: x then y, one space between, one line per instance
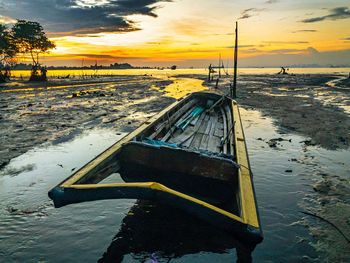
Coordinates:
192 155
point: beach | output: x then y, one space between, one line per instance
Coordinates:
298 139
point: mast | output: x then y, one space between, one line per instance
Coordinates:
234 84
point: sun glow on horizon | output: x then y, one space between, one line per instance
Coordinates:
193 32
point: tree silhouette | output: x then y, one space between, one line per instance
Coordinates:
31 39
8 50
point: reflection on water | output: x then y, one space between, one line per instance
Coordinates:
32 230
162 233
182 86
334 94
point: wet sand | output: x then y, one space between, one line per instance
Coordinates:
31 114
315 107
304 104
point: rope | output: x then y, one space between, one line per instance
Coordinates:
327 221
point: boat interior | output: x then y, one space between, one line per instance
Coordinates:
188 148
191 150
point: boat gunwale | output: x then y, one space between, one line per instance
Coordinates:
249 213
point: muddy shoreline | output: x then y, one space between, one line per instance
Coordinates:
34 114
316 107
301 104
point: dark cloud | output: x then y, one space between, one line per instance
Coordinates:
285 42
93 56
242 46
271 1
189 51
346 39
247 13
277 51
334 14
305 30
285 51
76 17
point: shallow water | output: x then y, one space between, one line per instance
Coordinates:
182 87
32 230
168 72
333 94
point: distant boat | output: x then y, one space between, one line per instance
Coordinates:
192 155
173 67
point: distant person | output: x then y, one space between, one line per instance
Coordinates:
283 71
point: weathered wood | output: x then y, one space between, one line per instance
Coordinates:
224 146
198 136
173 129
161 164
206 137
194 121
214 144
214 122
187 139
171 119
230 128
174 160
219 127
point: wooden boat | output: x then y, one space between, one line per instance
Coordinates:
191 155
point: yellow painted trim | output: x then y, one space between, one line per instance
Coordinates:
114 148
159 187
249 212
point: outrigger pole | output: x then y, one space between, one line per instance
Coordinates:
233 86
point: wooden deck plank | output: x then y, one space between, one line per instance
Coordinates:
206 137
214 144
219 129
214 121
171 119
199 134
172 130
188 134
229 134
224 147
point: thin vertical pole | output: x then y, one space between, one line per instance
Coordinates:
220 65
233 93
209 69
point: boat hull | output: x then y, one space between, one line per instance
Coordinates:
200 169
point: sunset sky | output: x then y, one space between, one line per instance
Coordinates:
189 32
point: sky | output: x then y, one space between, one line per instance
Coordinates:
189 33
